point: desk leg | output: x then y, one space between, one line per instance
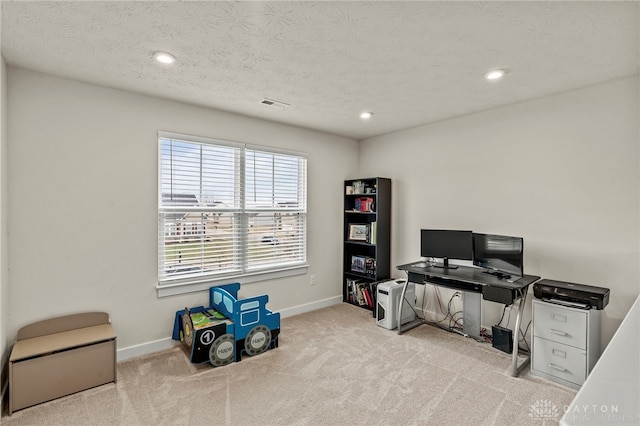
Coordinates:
515 368
413 324
400 305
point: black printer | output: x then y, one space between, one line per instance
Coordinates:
588 296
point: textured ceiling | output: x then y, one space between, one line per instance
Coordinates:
410 63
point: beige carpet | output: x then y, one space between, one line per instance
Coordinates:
334 366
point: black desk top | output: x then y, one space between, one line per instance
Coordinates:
469 274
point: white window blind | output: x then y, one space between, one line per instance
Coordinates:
226 210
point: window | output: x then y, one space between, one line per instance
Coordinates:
228 210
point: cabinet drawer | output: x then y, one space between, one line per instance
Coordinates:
558 360
560 324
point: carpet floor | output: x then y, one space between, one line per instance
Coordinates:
333 366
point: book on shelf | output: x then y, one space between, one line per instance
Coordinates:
373 232
374 293
351 295
366 291
354 292
361 298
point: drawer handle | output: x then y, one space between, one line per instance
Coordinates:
556 367
558 332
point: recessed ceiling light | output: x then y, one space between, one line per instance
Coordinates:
494 75
164 57
366 115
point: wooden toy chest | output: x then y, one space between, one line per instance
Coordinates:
61 356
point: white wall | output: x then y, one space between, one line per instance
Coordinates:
83 203
560 171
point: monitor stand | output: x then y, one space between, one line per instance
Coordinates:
445 264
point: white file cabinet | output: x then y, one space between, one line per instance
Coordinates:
566 342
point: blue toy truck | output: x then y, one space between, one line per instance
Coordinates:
230 326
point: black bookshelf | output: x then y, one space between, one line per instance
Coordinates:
367 239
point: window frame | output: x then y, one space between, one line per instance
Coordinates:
245 275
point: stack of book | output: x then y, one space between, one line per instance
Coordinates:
361 293
373 231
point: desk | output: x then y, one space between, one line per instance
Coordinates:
475 285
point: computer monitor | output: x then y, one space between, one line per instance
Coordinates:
446 244
501 255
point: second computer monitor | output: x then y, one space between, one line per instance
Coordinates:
501 255
446 244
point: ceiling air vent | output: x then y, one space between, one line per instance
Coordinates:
274 104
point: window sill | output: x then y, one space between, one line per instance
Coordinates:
164 290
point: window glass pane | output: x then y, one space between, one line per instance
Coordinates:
194 174
274 180
275 238
197 243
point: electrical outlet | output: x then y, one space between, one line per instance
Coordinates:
312 279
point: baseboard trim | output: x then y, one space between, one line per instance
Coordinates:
309 307
144 349
167 343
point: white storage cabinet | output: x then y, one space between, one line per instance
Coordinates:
566 342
